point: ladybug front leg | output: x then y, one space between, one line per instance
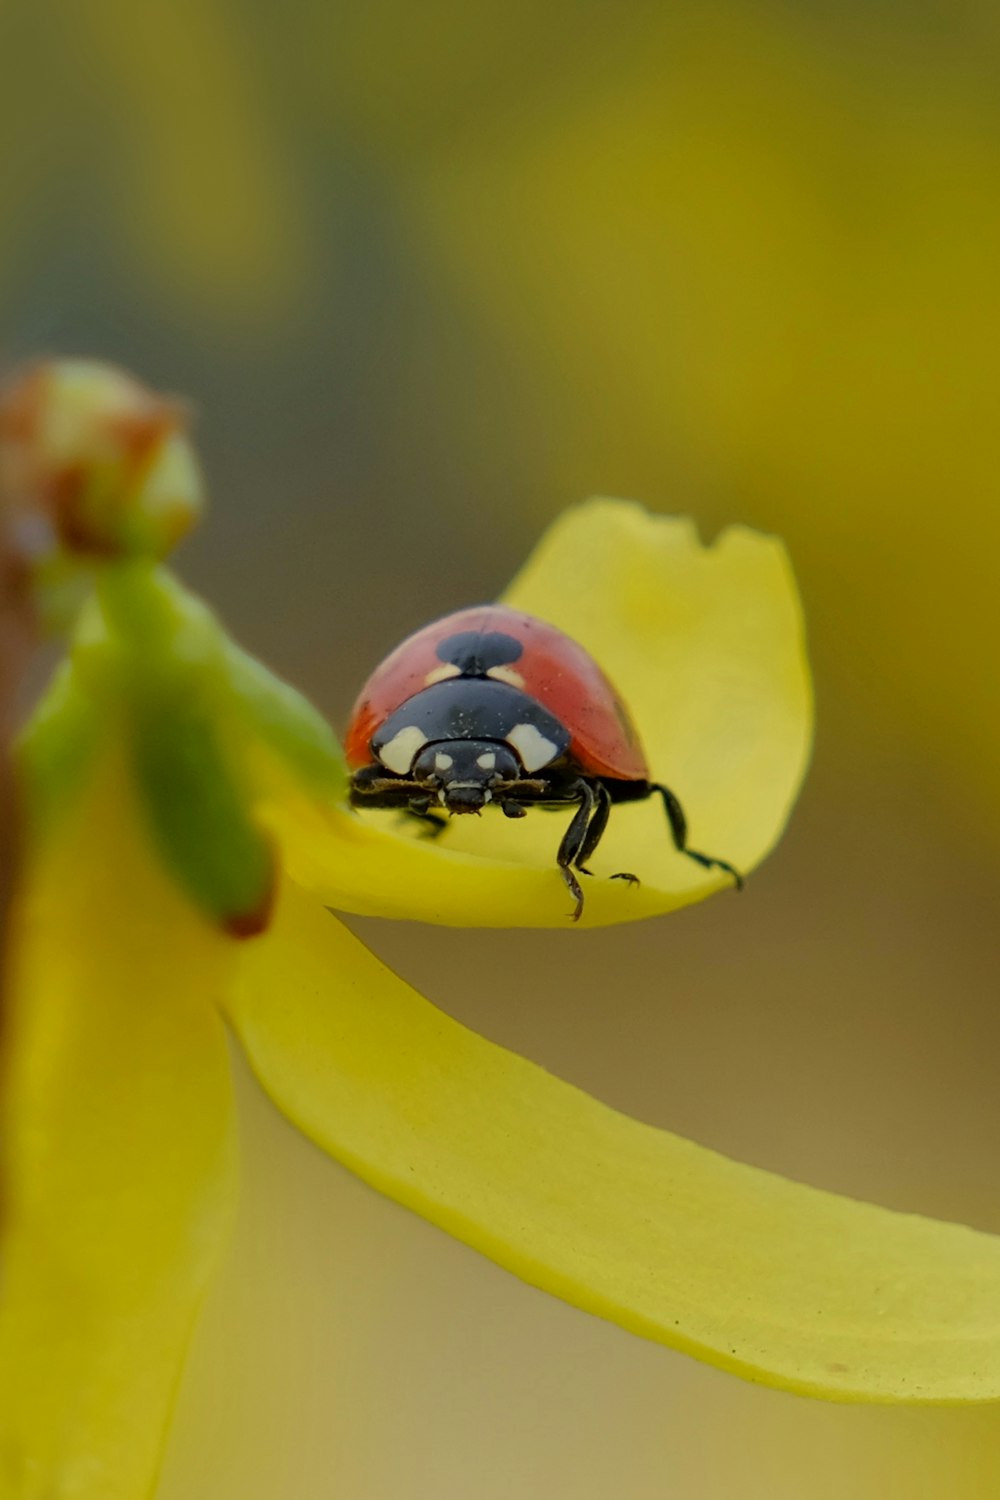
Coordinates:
432 824
595 833
574 840
371 787
596 828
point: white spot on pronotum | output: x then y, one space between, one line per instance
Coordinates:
441 674
506 674
532 746
443 762
398 754
487 760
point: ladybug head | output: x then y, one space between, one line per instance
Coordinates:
463 773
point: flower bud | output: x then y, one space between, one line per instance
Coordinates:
94 459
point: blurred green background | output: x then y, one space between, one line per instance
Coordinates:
429 273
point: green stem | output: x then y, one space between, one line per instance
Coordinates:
142 604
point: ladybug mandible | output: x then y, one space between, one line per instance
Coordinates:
491 706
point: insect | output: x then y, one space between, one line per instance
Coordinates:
489 706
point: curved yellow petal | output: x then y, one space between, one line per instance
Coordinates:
116 1167
769 1279
705 645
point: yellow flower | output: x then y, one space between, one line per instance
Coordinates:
179 796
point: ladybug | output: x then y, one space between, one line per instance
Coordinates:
490 706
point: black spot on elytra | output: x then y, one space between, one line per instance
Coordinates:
474 652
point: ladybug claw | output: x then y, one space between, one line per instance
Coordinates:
708 863
574 889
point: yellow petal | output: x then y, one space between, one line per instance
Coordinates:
705 645
117 1155
775 1281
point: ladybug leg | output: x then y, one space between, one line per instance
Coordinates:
595 833
371 788
678 827
573 840
596 828
432 825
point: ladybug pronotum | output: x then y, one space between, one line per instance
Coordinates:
489 706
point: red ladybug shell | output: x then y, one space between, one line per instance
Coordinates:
552 669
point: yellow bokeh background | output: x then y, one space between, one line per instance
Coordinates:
430 273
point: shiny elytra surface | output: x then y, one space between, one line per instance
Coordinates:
553 669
